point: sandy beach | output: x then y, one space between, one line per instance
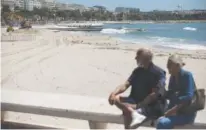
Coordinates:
79 63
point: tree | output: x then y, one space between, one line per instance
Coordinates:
5 11
76 15
43 12
5 8
17 8
87 15
119 16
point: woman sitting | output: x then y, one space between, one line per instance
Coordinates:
180 92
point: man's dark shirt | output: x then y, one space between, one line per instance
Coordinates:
143 82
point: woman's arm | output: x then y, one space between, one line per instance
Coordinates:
173 110
188 84
169 91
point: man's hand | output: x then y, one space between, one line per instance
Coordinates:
120 89
112 99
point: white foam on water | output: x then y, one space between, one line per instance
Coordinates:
185 46
169 42
190 29
177 43
114 31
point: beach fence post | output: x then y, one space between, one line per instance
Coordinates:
97 125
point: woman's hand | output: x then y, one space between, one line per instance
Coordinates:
171 112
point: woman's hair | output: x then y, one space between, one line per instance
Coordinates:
176 59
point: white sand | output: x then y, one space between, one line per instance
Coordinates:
80 63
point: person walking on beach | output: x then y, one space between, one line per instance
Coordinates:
180 91
148 84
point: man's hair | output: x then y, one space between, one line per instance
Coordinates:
140 51
146 53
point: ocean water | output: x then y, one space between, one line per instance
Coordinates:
189 36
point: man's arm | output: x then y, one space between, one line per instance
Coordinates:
157 92
121 88
118 90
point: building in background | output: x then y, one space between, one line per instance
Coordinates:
22 4
126 10
37 4
93 9
98 7
189 12
61 6
65 6
50 4
79 7
10 3
29 5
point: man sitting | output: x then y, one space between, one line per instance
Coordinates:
148 85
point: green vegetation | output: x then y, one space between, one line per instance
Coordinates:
10 29
45 14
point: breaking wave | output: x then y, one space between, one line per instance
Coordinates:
114 31
190 29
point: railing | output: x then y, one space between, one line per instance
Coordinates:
96 111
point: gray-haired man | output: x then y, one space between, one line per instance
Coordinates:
148 84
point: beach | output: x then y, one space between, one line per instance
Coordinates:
79 63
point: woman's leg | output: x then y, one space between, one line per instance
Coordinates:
172 121
164 123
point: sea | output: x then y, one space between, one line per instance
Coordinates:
187 36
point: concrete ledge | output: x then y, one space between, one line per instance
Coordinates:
95 110
27 120
19 120
60 105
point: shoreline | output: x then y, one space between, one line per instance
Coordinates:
128 22
113 40
152 22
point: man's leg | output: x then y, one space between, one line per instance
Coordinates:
172 121
126 110
127 120
139 117
121 102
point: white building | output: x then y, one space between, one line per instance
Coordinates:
37 4
61 6
10 3
48 3
76 7
20 4
29 5
64 6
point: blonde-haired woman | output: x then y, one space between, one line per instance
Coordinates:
181 90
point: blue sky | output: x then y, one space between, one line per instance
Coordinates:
144 5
